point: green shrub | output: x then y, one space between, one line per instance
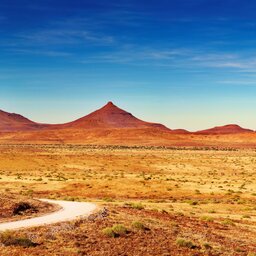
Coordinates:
8 239
207 218
138 225
193 202
115 231
185 243
137 206
207 246
108 199
119 229
228 222
108 232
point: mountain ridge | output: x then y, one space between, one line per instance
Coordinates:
107 117
16 122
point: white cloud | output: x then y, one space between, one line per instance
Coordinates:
64 36
238 82
41 52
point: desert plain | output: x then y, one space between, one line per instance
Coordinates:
156 200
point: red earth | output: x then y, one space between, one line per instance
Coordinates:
15 122
114 126
111 116
226 129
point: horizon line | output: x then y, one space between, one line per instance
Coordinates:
111 103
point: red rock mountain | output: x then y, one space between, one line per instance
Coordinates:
14 122
110 116
226 129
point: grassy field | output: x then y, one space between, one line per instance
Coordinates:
164 201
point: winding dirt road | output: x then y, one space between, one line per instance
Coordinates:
69 211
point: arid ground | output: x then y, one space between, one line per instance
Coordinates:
158 201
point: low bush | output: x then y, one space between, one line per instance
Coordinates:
207 246
207 218
8 239
138 225
115 231
137 206
22 207
185 243
228 222
119 229
108 232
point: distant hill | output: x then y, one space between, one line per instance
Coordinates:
226 129
14 122
111 125
108 117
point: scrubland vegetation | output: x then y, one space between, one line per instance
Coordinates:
17 207
159 201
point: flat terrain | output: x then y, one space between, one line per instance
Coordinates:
128 136
167 201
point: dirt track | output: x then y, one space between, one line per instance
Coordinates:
69 211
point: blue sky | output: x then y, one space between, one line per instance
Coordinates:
185 63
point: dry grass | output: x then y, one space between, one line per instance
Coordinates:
16 207
206 197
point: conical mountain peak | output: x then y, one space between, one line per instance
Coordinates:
110 106
110 103
111 116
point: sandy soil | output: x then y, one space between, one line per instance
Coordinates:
158 201
69 211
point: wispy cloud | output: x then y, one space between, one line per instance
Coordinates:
134 55
186 58
238 82
40 52
58 41
228 64
238 64
235 61
64 36
60 36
